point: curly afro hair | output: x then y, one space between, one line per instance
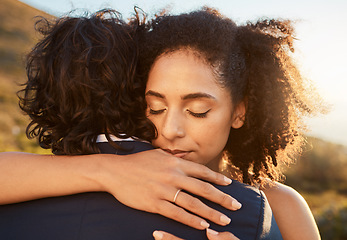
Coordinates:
81 83
254 61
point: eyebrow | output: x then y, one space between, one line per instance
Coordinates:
186 97
155 94
198 95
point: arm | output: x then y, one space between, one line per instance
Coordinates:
154 175
26 176
292 214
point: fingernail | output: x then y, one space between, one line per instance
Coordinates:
158 235
204 224
225 219
227 180
212 232
236 205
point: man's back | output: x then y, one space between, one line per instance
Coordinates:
100 216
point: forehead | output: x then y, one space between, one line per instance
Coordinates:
184 70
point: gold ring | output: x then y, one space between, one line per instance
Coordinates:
175 197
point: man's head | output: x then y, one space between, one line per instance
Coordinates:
81 83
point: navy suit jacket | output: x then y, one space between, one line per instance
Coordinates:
99 216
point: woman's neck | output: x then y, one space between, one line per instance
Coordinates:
213 166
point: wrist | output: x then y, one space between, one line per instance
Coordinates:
98 171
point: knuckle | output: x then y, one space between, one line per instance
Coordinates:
178 214
213 215
219 177
184 217
225 199
207 188
192 220
157 190
170 176
193 203
206 172
157 208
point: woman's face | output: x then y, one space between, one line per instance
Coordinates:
191 111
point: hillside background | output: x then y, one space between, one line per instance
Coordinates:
17 36
320 175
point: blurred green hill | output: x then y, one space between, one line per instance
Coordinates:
17 36
320 174
322 166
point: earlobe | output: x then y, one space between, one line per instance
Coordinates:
239 116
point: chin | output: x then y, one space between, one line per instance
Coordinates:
196 160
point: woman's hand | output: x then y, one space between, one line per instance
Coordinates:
150 180
211 234
146 181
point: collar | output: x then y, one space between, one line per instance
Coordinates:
102 138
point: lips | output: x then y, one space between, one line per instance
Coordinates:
177 153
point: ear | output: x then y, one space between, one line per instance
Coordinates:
239 115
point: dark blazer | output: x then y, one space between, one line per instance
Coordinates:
99 216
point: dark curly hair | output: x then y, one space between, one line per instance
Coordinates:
253 61
81 83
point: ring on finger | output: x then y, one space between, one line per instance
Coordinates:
175 197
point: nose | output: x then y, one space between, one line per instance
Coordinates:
173 126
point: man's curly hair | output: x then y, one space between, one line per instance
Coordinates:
253 61
81 83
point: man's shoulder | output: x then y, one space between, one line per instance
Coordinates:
254 213
242 191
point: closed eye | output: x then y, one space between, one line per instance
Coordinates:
154 112
198 115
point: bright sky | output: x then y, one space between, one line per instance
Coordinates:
321 49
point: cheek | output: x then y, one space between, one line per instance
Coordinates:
210 135
158 123
216 134
159 142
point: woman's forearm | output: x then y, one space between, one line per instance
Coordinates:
25 176
154 175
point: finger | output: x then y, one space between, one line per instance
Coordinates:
214 235
207 191
194 205
169 210
202 172
160 235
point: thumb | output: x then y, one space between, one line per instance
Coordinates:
213 235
